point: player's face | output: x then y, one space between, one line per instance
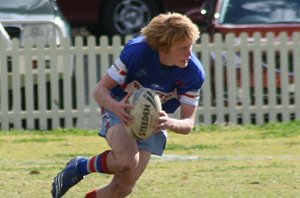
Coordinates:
179 54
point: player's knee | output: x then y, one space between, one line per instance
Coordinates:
128 163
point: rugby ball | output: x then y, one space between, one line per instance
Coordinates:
147 106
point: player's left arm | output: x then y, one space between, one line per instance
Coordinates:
184 125
189 94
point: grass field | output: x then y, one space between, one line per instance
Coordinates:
212 162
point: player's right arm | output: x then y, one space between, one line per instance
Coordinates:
103 98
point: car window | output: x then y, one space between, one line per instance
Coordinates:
36 6
257 11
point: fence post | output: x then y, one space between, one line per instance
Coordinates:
296 70
4 104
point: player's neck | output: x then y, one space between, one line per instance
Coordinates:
165 60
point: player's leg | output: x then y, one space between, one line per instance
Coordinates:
123 184
124 154
122 157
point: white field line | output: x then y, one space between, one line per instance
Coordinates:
170 157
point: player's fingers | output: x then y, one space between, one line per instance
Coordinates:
163 114
126 117
163 117
128 106
126 98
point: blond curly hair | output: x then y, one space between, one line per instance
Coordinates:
166 29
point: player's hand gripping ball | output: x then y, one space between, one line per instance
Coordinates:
147 106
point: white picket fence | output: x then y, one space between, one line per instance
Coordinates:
249 81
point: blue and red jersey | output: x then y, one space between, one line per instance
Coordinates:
139 66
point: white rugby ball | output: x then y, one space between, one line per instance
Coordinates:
147 106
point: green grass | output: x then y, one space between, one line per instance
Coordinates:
212 162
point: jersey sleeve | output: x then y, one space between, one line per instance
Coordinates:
190 97
128 62
191 84
118 72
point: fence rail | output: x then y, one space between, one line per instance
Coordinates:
249 81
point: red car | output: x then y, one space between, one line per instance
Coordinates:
119 16
249 16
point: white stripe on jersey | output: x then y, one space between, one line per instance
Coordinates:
190 97
118 71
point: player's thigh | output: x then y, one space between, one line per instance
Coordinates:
120 141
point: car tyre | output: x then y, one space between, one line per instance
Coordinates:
127 17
